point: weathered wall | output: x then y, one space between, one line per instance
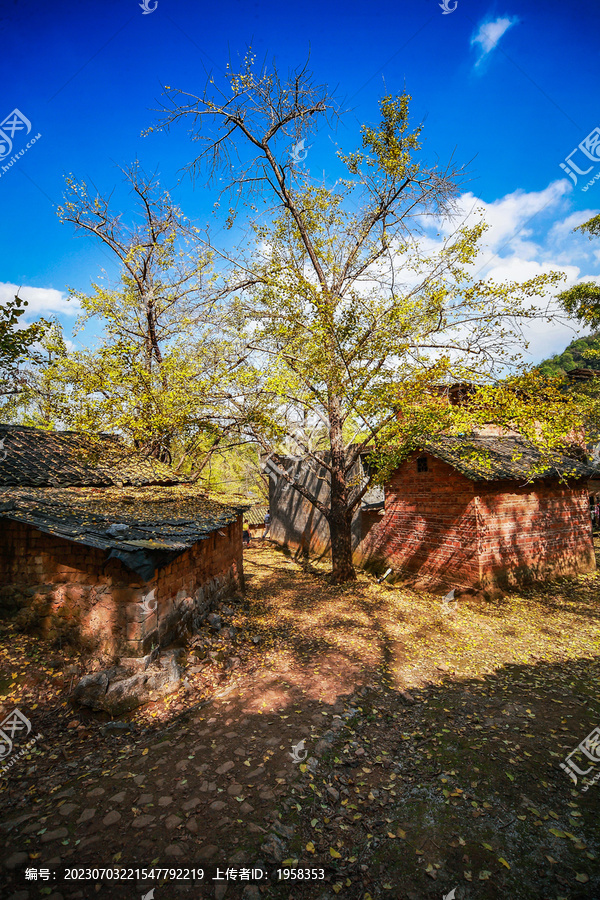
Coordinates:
295 522
429 525
74 592
532 532
489 535
187 587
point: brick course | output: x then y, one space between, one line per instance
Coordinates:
72 591
487 535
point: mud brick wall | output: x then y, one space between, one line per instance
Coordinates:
488 535
67 590
295 522
532 532
429 525
187 588
72 592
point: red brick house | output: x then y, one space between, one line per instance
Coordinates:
454 518
491 522
105 547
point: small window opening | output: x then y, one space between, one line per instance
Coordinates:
422 464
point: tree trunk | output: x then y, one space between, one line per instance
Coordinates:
340 518
340 531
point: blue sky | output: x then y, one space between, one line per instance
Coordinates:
510 88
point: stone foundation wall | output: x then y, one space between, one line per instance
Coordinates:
70 592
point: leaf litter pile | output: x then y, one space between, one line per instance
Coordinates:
429 763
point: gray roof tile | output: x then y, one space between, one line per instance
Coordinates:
491 458
32 456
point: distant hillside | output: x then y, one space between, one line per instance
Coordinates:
573 357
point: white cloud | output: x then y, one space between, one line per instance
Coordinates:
512 218
41 301
529 234
489 34
564 227
543 337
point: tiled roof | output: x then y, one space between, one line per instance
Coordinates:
32 456
374 498
256 514
490 458
157 523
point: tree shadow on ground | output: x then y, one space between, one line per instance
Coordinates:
433 742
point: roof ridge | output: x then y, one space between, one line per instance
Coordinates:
450 448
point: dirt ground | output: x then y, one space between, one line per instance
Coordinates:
427 736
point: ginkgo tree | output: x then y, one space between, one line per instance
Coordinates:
17 345
583 300
159 367
354 316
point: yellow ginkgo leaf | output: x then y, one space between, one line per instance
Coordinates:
310 847
333 852
504 863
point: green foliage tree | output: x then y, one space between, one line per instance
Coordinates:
583 300
352 321
161 362
581 353
17 345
